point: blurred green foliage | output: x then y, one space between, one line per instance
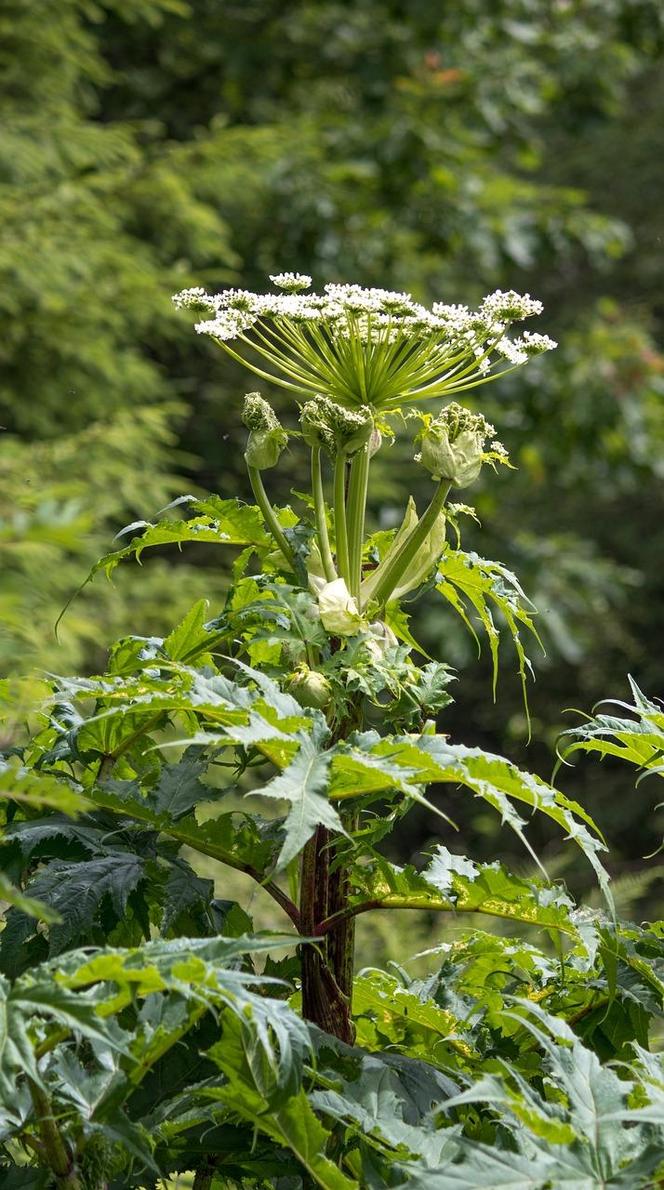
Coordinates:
446 149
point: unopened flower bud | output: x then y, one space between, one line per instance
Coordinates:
375 442
335 428
311 688
315 428
452 445
380 639
339 612
267 438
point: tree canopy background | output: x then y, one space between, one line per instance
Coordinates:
446 149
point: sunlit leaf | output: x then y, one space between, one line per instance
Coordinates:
451 883
470 583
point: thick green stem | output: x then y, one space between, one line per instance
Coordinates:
357 502
321 517
55 1150
398 566
269 515
340 528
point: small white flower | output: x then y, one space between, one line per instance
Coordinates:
510 306
499 450
196 297
533 344
511 350
293 282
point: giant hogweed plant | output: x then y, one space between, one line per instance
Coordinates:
146 1029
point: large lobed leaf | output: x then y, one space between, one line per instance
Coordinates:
579 1133
470 583
223 522
371 765
638 738
453 884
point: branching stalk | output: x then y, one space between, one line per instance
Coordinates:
398 566
56 1152
269 515
340 527
357 502
321 517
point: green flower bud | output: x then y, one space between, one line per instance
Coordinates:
331 426
339 612
264 448
452 445
257 414
267 438
315 428
380 639
310 688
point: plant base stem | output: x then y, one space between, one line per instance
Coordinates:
324 1001
55 1150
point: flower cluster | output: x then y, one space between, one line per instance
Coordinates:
335 428
452 445
291 282
366 347
267 438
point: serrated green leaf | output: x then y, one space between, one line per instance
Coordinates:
39 790
190 638
75 892
179 788
303 784
183 890
223 522
374 1104
452 883
53 836
366 769
34 998
484 585
487 1167
243 841
402 1020
426 759
638 739
290 1122
28 905
582 1136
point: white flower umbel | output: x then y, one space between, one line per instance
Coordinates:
370 347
